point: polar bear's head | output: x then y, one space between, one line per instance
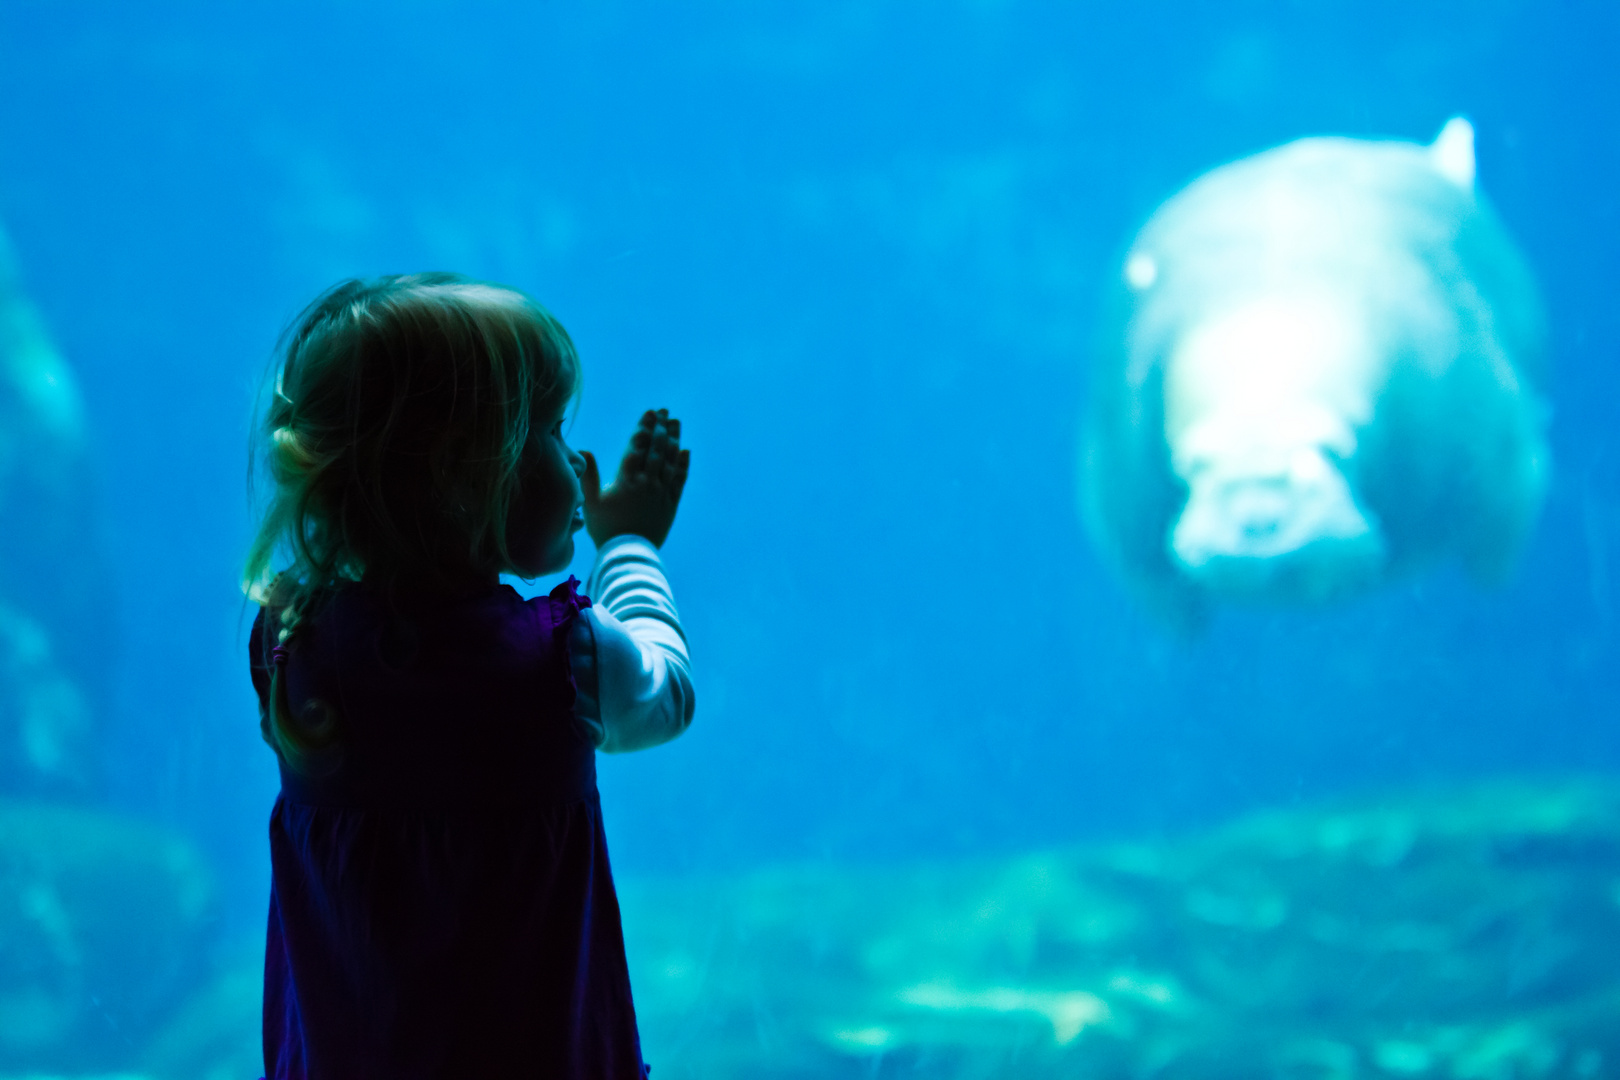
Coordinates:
1262 404
1325 378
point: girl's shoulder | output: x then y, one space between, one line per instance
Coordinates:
566 600
488 622
496 617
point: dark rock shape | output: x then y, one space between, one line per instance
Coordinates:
46 735
54 611
1464 934
103 923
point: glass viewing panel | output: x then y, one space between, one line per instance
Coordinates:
1150 553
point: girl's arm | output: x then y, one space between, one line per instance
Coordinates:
629 653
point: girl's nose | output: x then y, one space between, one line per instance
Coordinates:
577 461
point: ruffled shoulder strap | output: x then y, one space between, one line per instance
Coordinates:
566 602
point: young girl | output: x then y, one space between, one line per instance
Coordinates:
441 904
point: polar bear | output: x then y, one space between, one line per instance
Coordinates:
1324 374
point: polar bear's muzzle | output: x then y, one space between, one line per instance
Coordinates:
1294 532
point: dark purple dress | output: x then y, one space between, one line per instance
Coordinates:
441 905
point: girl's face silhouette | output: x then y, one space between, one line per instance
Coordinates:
549 507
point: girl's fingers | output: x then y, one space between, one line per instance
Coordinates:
671 461
635 455
683 465
665 441
654 451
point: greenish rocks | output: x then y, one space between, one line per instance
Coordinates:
1467 933
1470 934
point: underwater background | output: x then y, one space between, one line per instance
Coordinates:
953 804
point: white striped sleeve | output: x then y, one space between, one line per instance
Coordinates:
631 641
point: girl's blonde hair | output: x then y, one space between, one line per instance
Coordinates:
393 440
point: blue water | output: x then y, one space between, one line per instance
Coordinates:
860 248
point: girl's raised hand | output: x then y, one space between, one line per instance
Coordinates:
643 497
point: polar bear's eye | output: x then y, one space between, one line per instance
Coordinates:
1307 467
1141 271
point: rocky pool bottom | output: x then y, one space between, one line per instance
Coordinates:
1467 932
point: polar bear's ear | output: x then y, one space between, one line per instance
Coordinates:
1453 153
